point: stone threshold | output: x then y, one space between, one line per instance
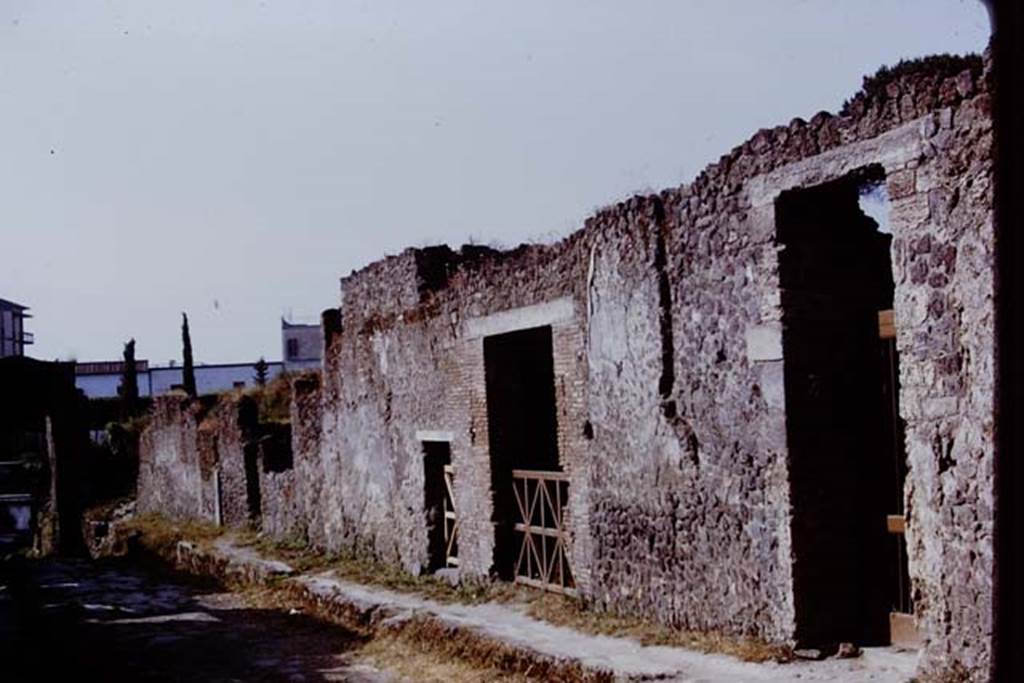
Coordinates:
505 636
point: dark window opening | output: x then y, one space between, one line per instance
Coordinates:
845 454
275 449
437 503
522 424
293 348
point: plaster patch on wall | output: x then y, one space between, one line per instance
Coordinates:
764 343
548 313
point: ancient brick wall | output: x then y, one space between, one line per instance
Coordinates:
394 374
672 414
282 510
943 254
192 458
169 473
688 491
307 428
233 424
667 335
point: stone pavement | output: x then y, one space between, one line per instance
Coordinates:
74 620
618 658
80 621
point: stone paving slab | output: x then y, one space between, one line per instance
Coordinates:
624 659
71 620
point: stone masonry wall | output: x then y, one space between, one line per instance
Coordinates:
688 502
281 509
667 327
233 423
169 475
192 458
944 260
393 375
680 505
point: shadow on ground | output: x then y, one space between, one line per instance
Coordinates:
69 620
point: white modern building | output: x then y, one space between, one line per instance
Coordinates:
301 346
101 379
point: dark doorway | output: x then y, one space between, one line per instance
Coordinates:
836 276
522 423
437 503
253 500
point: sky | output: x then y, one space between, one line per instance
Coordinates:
234 159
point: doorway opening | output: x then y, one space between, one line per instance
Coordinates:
439 506
522 423
846 457
253 498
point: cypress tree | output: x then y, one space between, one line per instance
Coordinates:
129 389
188 371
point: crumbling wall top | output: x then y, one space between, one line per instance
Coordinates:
382 292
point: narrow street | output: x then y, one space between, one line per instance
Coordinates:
75 620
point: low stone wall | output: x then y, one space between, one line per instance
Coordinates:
283 509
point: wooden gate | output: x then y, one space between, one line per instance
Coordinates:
902 628
451 524
543 560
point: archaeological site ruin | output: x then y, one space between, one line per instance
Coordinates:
758 404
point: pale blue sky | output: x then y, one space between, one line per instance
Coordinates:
234 159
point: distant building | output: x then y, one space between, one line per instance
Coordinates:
211 378
101 379
302 346
13 337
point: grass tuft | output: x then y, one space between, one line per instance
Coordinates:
161 534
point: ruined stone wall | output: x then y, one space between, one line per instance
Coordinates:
307 431
943 257
170 482
232 424
678 449
394 375
534 287
281 508
670 389
191 458
689 489
282 517
935 148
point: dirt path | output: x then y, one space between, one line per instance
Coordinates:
79 621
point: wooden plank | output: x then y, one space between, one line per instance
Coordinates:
539 474
903 631
533 583
542 531
887 324
896 524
